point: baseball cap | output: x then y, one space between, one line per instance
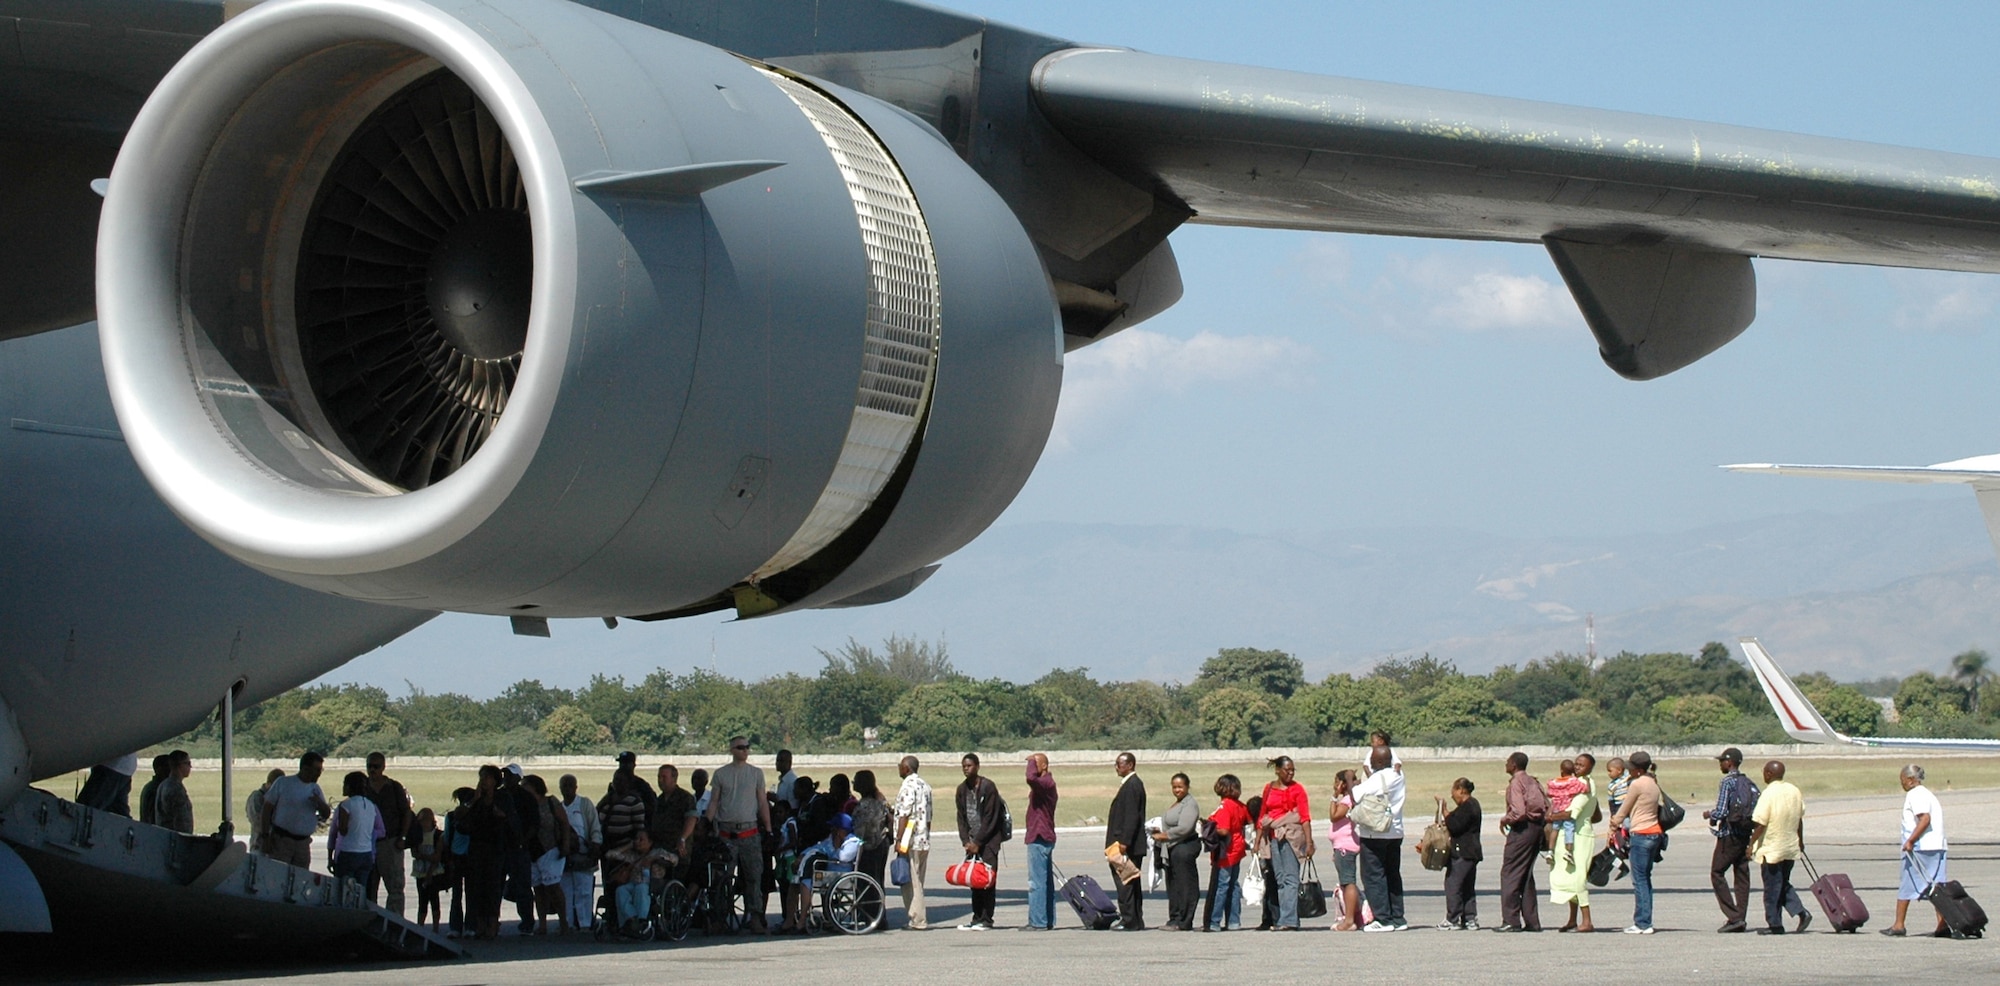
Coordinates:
628 757
514 768
844 822
1732 755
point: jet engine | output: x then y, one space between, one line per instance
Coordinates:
518 307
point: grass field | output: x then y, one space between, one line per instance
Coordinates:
1086 792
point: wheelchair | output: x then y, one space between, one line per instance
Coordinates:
710 904
844 899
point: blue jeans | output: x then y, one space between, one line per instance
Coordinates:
1041 885
1285 864
1644 848
635 901
354 866
1228 909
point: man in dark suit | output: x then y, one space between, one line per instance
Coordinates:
1127 828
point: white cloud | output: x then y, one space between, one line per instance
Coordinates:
1944 301
1450 289
1101 381
1454 292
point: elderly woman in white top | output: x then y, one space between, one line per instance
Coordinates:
1923 849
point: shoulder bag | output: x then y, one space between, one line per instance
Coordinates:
1434 848
1312 897
1372 812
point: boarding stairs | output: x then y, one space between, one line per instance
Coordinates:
96 869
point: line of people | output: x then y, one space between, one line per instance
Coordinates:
508 839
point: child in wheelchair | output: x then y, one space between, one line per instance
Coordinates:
638 869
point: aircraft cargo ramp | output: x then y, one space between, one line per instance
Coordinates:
99 870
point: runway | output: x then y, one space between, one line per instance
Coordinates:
1852 835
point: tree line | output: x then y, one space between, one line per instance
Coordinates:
907 694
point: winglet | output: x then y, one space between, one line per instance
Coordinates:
682 181
1795 712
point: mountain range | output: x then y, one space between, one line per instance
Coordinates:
1885 589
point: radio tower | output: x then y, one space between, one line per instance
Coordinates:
1590 639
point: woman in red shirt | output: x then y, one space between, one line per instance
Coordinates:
1224 910
1286 830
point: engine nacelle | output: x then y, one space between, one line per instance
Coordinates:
520 307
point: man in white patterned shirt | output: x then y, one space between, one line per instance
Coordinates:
913 839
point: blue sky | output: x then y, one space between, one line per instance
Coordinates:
1313 381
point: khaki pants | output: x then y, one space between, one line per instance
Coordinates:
388 873
913 891
286 849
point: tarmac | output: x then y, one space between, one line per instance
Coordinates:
1856 836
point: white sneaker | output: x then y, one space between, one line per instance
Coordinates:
1636 930
1377 926
1471 926
1447 926
971 926
1400 926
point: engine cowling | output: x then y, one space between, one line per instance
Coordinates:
520 307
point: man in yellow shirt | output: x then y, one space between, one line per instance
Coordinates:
1777 839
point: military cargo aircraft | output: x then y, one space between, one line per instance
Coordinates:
320 317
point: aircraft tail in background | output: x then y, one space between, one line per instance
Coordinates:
1804 723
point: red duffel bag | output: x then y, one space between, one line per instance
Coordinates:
973 874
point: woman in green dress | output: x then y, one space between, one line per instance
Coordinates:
1569 879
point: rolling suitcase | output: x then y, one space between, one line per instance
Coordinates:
1093 906
1962 915
1837 899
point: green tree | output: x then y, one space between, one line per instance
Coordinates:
1263 672
841 695
648 732
1847 710
569 729
1134 707
1349 708
354 711
1235 718
783 702
1543 684
444 716
1417 677
1464 704
1693 713
954 715
1926 700
1576 722
606 699
1970 670
525 703
1067 701
905 659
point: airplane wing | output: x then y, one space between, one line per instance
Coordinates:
1804 723
1982 469
1650 220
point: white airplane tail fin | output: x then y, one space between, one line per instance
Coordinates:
1795 712
1804 723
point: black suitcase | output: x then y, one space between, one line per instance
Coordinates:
1837 899
1962 916
1093 906
1960 912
